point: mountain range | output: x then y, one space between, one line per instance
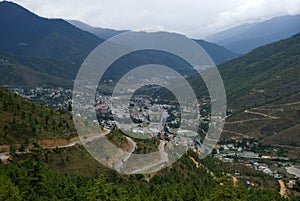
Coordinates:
218 53
104 33
26 34
50 51
246 37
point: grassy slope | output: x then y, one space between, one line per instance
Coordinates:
283 130
267 76
273 68
22 119
77 162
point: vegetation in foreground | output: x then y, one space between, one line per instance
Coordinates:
32 177
22 119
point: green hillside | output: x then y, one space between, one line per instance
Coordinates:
34 71
22 119
265 75
25 33
266 84
266 80
53 175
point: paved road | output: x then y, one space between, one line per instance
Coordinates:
283 145
126 155
294 171
3 154
163 158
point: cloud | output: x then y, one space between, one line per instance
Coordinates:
189 16
255 10
194 18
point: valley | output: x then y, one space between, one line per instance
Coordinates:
146 148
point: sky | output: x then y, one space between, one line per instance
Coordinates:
194 18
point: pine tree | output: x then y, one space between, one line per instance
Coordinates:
101 190
8 191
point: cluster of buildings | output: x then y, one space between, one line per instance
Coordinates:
244 154
263 167
53 97
147 118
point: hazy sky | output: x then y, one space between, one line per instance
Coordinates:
195 18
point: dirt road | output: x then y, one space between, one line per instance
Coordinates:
282 191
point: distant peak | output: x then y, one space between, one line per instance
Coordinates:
12 5
9 3
14 10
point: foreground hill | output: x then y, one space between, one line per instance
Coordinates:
22 119
244 38
34 177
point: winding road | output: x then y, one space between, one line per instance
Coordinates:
89 138
127 155
163 159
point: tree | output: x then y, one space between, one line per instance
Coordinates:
12 150
5 129
8 191
35 169
227 192
70 107
101 190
